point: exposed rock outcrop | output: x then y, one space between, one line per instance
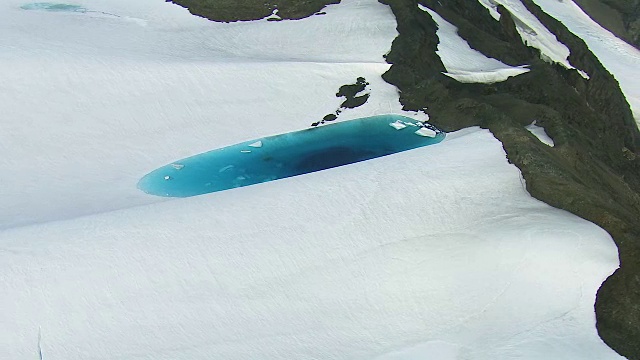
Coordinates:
621 17
586 173
355 95
234 10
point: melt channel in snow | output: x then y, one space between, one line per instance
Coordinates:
437 252
464 63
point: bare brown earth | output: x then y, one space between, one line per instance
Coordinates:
594 169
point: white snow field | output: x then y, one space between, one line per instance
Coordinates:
464 63
94 102
437 252
620 58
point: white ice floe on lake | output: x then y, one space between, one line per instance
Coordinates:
257 144
464 63
424 131
398 125
540 133
533 32
438 252
618 57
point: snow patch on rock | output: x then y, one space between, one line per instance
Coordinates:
464 63
533 32
618 57
540 133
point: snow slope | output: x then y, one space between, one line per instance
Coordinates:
80 88
533 32
436 244
464 63
620 58
434 252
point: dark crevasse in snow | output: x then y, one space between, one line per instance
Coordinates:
285 155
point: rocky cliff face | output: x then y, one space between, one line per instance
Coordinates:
232 10
594 169
621 17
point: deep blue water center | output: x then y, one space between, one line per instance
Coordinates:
47 6
290 154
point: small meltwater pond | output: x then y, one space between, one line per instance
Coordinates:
58 7
290 154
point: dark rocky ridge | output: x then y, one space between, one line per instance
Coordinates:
594 169
235 10
588 173
621 17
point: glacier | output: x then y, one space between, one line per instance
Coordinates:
437 251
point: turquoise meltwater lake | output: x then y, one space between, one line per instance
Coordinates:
291 154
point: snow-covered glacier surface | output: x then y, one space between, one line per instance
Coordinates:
437 252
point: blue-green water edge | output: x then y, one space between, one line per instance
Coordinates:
47 6
291 154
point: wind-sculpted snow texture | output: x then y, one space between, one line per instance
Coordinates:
437 252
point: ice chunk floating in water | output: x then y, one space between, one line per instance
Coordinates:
53 7
290 154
